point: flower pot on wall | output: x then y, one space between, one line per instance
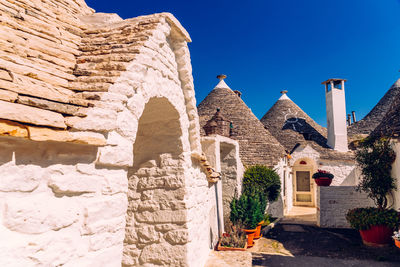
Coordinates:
397 243
323 181
257 234
377 236
250 236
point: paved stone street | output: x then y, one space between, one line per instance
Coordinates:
307 245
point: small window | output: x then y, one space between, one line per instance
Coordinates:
303 162
337 84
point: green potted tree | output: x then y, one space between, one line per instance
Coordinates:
323 178
376 224
246 210
266 179
265 185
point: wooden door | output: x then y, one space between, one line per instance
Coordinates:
303 189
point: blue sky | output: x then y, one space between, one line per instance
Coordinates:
265 46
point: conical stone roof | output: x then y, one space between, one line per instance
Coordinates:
390 124
257 145
290 125
376 115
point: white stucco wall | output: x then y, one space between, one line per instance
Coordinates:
277 208
346 174
57 207
334 202
67 204
223 153
396 175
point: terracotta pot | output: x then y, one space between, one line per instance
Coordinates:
397 243
250 236
257 234
323 181
221 248
377 236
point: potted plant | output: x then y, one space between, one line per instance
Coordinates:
245 211
396 238
233 240
376 224
323 178
260 196
266 184
265 179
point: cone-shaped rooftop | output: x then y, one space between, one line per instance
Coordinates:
390 124
376 115
290 125
257 145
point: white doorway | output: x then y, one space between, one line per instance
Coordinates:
303 184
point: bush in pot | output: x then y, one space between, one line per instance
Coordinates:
376 224
265 179
246 210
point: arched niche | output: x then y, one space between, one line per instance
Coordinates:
156 232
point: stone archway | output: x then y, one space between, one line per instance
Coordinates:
156 231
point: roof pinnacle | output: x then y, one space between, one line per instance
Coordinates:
221 77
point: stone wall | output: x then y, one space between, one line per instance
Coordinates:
223 153
396 175
136 74
346 174
333 202
58 207
277 208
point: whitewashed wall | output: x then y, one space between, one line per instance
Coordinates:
223 153
277 208
66 204
58 207
333 202
396 175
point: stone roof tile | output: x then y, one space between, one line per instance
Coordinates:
257 145
291 126
376 115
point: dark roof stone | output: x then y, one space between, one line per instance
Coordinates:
257 145
376 115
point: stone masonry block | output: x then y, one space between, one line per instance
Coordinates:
39 214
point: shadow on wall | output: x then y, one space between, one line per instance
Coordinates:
351 178
44 154
300 126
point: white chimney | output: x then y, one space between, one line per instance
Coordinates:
336 114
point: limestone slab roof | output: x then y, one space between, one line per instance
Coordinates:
257 145
390 124
376 115
57 58
291 126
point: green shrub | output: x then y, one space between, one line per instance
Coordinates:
246 210
364 218
375 157
263 178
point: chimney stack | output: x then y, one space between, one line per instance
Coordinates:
336 114
238 93
348 120
354 116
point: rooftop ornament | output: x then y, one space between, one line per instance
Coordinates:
218 125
